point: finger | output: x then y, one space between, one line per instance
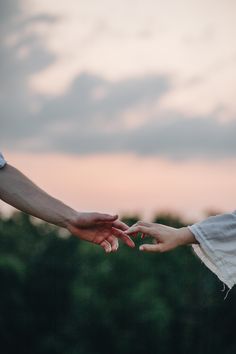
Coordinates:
135 234
144 223
106 246
120 225
125 238
138 228
116 245
113 242
151 248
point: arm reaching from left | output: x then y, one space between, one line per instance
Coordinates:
102 229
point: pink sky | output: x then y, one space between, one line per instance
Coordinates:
127 184
71 71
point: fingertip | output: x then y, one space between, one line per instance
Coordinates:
141 248
120 225
128 232
130 243
106 246
114 248
104 249
133 245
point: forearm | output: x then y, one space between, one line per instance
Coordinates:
20 192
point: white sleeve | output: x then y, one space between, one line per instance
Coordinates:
217 245
2 161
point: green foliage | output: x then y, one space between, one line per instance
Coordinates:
64 296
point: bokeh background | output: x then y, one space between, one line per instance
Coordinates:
117 106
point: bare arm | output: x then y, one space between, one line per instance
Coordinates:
19 191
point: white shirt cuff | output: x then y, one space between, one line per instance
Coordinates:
217 259
2 161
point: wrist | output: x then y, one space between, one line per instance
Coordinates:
67 217
185 236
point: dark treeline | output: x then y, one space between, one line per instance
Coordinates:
63 296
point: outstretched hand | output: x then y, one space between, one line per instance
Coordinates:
165 238
101 229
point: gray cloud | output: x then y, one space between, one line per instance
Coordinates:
170 137
41 18
77 122
8 10
16 99
79 103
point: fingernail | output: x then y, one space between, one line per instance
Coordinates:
141 248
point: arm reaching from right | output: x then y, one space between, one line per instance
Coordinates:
213 240
166 238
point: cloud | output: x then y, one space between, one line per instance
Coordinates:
16 98
94 114
8 10
76 123
170 137
83 103
40 18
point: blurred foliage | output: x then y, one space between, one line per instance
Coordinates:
63 296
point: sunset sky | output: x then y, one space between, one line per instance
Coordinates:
122 106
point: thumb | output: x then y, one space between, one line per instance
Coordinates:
151 248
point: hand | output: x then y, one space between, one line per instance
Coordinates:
166 238
101 229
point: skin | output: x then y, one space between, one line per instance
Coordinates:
101 229
165 238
